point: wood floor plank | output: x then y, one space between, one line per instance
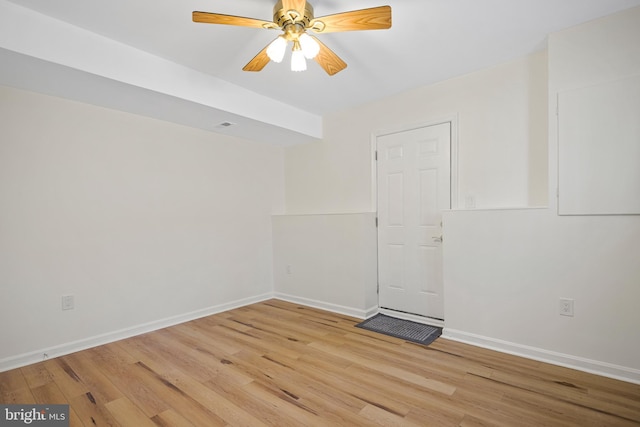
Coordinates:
12 380
334 407
620 403
359 393
381 417
563 411
400 358
199 404
268 414
382 368
171 384
281 364
50 394
285 403
100 387
65 377
488 408
208 336
17 396
36 375
14 388
91 412
434 415
187 390
471 421
196 360
126 376
171 418
128 414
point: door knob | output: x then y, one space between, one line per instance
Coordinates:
437 239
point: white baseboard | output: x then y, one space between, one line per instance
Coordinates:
568 361
574 362
371 312
322 305
83 344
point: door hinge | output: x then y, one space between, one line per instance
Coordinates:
376 155
376 222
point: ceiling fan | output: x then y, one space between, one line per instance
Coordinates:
294 18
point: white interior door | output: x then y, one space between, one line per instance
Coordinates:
414 186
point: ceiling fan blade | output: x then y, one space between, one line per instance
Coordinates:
258 62
375 18
217 18
328 60
297 5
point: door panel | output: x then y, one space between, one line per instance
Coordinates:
414 186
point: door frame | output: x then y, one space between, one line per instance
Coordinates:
453 171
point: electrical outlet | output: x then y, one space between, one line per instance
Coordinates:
288 269
566 307
67 302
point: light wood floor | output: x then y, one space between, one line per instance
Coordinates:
281 364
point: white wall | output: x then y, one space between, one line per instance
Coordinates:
141 220
502 114
506 270
502 162
325 261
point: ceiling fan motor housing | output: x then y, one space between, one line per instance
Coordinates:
282 17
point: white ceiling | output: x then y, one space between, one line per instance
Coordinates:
430 41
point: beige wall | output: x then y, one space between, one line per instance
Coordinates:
502 125
327 261
502 116
141 220
505 271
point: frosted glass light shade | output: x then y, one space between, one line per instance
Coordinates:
276 49
309 46
298 63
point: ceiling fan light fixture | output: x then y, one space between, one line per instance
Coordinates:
276 49
310 47
294 18
298 63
